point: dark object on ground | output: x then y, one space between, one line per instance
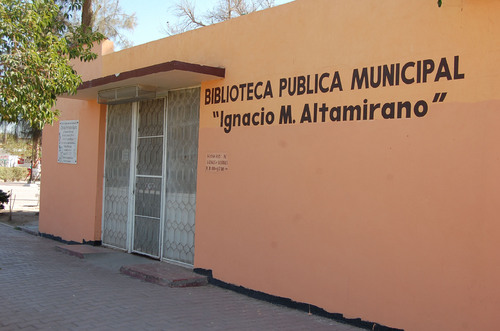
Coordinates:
4 198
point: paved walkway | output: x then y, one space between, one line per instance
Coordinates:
44 289
24 196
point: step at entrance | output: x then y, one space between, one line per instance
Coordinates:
81 251
165 274
156 272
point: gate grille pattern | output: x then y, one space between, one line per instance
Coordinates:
148 185
150 156
146 235
180 191
182 158
117 175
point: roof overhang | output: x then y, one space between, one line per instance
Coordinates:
160 77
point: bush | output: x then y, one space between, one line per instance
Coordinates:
13 174
4 198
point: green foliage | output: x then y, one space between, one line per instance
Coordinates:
17 146
13 174
36 44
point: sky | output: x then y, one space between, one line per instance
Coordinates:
152 15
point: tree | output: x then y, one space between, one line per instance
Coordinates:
15 145
224 10
24 141
36 45
108 18
87 14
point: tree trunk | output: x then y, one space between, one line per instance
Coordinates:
35 154
87 15
4 140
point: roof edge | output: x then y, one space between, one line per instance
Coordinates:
161 67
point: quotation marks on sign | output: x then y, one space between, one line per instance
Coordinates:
322 112
439 97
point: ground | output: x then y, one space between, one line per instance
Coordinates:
23 207
19 218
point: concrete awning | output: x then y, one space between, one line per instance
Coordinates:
160 77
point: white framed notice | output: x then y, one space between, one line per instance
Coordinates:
68 142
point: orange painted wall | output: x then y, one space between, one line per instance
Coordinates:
71 195
392 221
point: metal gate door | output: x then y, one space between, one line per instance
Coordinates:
149 178
182 159
117 175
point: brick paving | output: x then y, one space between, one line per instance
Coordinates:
43 289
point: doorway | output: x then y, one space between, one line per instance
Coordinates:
150 176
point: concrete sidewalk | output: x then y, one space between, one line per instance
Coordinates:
44 289
24 197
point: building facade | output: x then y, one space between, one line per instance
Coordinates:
335 153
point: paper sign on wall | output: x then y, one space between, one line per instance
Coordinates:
217 162
68 142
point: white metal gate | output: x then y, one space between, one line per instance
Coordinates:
182 158
117 176
150 176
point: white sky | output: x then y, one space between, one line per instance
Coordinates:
152 15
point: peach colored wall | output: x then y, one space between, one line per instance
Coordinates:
93 69
392 221
71 195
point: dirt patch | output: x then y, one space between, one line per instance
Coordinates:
19 218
